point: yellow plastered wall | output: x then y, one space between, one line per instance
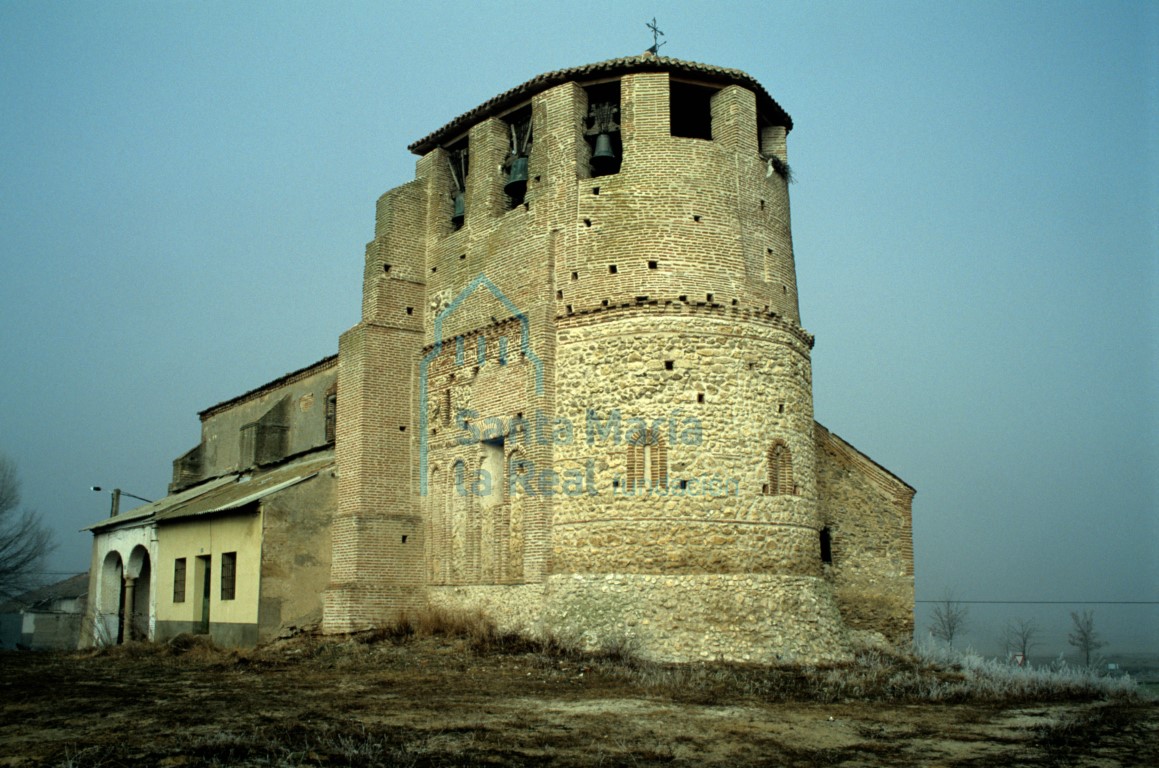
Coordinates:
212 536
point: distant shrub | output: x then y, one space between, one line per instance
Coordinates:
996 680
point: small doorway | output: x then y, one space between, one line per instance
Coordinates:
203 576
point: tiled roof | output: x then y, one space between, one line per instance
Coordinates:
43 597
766 105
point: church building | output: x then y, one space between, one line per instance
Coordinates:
579 399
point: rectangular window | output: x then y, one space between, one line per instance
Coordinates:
228 575
179 580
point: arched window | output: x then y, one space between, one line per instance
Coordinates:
518 469
780 470
461 558
647 461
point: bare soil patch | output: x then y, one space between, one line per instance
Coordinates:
436 701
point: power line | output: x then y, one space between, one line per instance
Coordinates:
1046 602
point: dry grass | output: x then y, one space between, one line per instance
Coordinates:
928 674
444 688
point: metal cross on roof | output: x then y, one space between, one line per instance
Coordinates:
656 34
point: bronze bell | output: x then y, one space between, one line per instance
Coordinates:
516 184
459 211
604 158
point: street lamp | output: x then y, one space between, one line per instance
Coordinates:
117 493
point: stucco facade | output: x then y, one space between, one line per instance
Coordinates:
240 548
579 397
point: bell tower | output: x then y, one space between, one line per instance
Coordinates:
580 396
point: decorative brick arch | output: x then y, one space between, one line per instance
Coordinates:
438 528
459 518
647 460
516 533
780 470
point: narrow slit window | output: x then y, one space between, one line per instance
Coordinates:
826 546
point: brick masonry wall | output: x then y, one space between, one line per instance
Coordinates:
377 547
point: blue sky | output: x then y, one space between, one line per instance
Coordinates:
186 190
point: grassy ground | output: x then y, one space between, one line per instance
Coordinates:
462 696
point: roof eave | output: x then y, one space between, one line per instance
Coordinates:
505 101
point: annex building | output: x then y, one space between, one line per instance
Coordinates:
579 399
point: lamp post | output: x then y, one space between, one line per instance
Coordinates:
117 493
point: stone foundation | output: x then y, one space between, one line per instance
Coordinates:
678 618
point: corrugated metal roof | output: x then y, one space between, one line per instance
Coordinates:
245 490
221 494
766 104
144 513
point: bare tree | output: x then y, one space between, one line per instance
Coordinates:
949 619
24 542
1020 635
1084 637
